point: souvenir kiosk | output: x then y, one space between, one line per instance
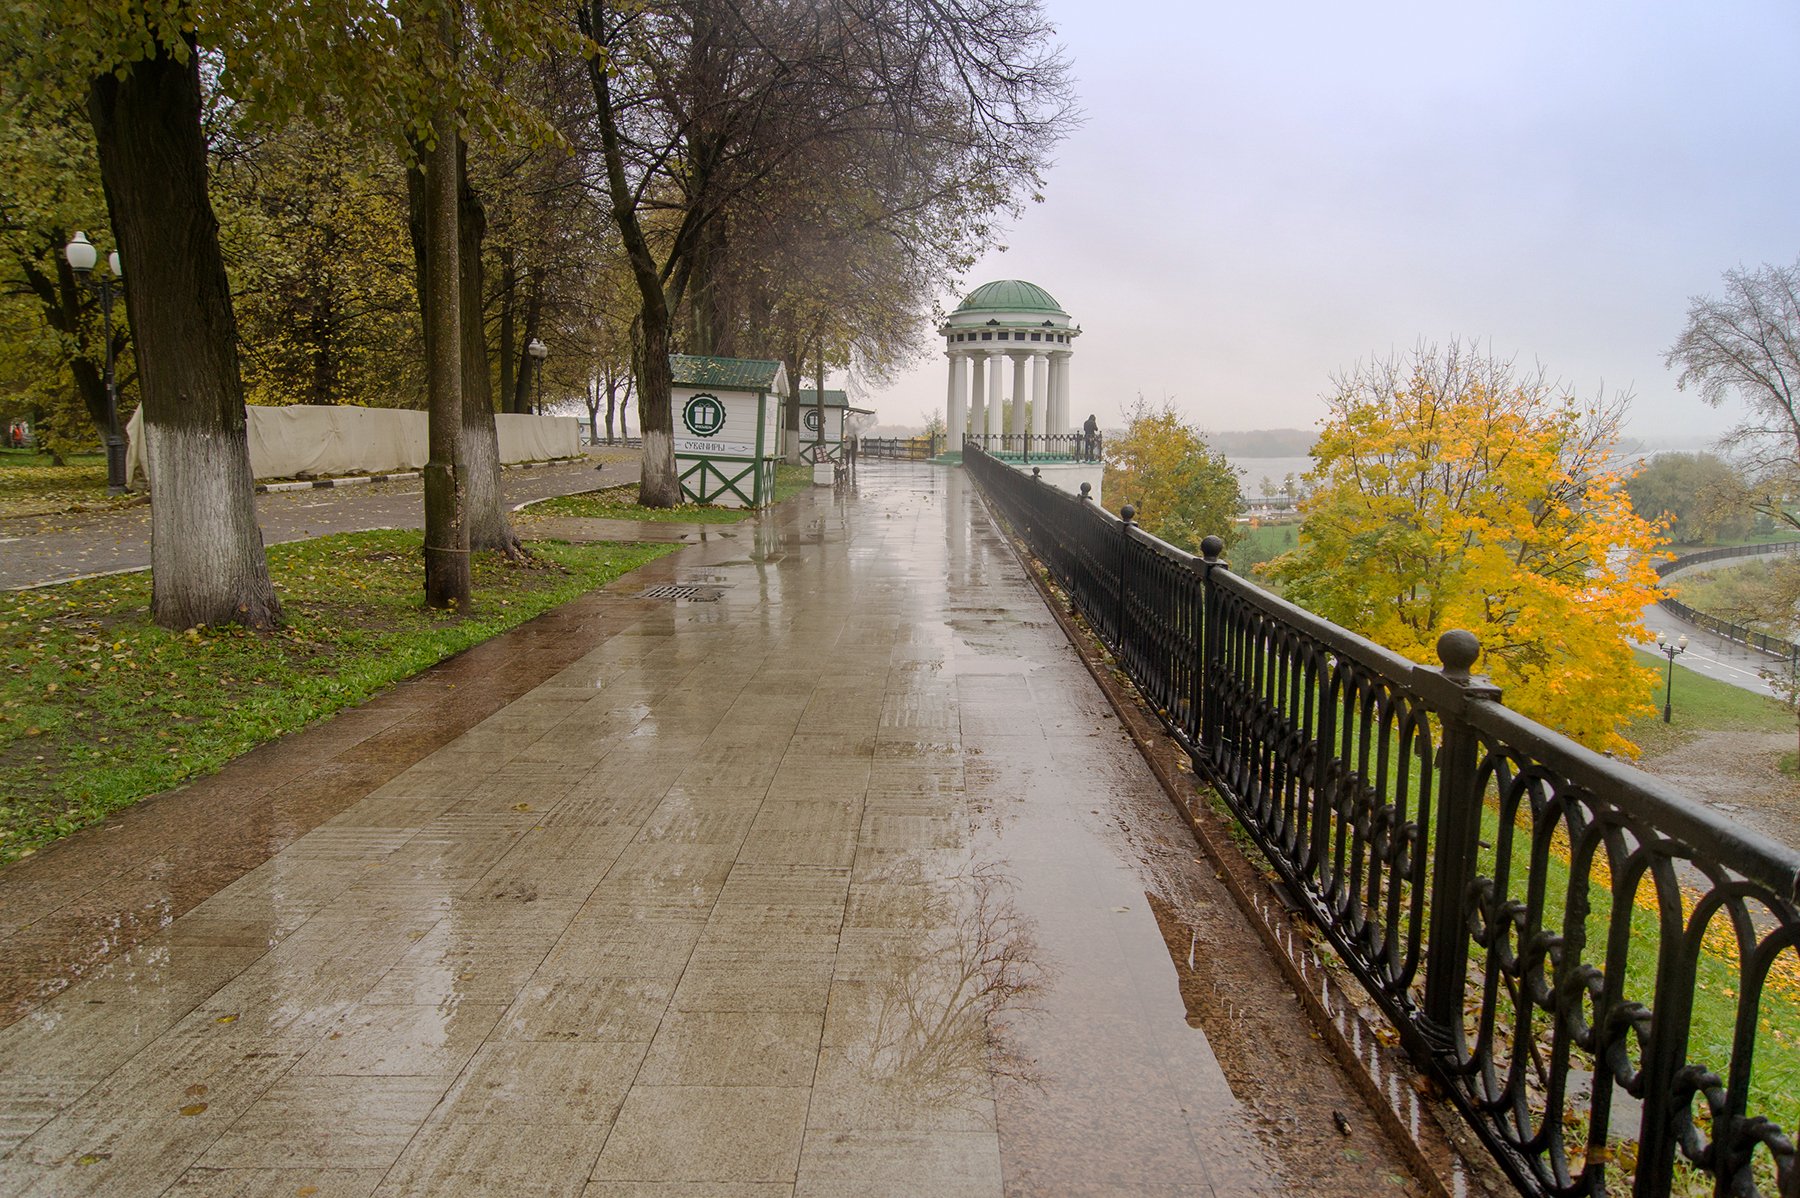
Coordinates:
836 411
727 428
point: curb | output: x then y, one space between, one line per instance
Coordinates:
322 484
350 480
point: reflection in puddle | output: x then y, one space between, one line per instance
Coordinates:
938 995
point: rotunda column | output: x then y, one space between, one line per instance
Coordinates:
977 396
1015 423
955 413
1059 373
996 421
1041 403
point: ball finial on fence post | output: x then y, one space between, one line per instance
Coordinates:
1037 475
1087 490
1128 514
1458 649
1211 548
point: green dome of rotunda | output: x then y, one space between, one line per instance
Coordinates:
1010 295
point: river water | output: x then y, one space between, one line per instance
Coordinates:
1251 472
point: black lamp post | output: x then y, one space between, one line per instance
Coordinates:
539 351
1671 650
81 257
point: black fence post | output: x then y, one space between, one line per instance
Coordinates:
1127 514
1212 649
1449 693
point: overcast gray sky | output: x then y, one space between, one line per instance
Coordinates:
1264 194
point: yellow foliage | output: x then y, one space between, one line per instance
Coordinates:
1450 494
1182 489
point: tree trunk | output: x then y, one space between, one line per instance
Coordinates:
206 552
624 429
658 484
712 322
447 583
479 456
790 407
590 399
819 446
324 391
529 367
509 289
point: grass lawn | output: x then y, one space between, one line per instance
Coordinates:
1263 544
1702 704
620 503
31 486
99 708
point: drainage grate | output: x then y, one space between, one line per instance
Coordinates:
675 590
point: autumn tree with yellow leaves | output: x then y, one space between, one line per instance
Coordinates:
1182 488
1452 492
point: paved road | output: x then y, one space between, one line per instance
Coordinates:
41 549
841 880
1707 654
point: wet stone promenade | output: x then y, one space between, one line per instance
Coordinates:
844 881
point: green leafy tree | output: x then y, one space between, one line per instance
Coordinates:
1698 496
1452 492
1183 490
411 66
52 356
322 278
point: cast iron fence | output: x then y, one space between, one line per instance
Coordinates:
1701 556
1732 631
1047 447
1581 955
1739 634
900 449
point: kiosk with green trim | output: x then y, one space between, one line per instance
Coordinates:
727 428
837 411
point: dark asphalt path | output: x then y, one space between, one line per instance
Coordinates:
1709 654
35 550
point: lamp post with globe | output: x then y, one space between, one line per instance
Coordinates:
1671 650
81 257
538 351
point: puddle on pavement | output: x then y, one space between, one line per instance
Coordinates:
1167 1049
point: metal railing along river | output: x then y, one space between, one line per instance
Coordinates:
1741 634
899 449
1045 447
1589 962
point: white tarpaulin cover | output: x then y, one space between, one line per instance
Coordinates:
308 439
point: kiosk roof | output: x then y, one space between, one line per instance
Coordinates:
740 374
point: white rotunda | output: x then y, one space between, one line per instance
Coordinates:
1008 321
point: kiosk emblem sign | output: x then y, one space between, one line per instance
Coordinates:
704 415
812 420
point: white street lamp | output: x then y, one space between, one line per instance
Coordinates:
539 351
81 257
81 253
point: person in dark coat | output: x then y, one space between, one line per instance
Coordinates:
1090 438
